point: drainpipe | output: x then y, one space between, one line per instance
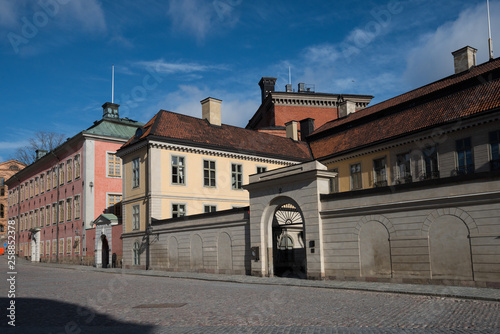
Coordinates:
57 207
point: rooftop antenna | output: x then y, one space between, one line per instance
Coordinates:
289 75
113 84
490 43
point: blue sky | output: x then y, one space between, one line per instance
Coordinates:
56 55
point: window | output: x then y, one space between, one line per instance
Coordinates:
31 188
61 174
47 215
36 186
379 173
2 211
36 219
2 228
54 246
61 211
465 163
286 242
210 208
403 168
208 173
77 207
76 246
135 172
136 223
431 162
178 170
178 210
356 176
114 204
54 177
69 209
494 150
69 170
22 193
42 249
42 184
136 254
261 170
49 180
47 247
2 181
69 243
114 165
61 246
30 222
42 217
77 166
334 182
26 192
236 176
54 214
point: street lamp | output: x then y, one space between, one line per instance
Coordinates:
149 231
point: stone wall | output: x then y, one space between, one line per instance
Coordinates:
213 243
440 232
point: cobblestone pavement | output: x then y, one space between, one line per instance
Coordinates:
75 299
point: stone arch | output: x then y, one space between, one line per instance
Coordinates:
450 255
102 250
224 252
196 252
295 265
173 252
374 248
459 213
378 218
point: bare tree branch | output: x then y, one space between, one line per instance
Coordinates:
41 141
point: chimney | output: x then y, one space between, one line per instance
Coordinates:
302 87
210 110
464 59
292 131
110 110
346 107
306 128
288 88
40 153
266 86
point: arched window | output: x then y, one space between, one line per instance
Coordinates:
136 255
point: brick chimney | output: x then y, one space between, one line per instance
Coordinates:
346 107
464 59
306 128
210 110
292 131
266 86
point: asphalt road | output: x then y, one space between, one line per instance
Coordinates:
56 300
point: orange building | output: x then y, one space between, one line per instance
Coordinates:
7 169
306 106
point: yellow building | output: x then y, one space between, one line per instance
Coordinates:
178 165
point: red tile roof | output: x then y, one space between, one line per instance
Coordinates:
461 95
178 128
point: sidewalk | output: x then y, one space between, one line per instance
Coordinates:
486 294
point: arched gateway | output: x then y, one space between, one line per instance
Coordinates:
285 225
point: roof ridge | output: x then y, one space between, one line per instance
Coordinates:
473 72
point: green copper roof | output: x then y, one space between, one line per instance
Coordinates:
121 128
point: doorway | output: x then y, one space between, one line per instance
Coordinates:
289 253
104 252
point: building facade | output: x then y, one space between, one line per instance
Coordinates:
278 108
55 200
7 169
178 165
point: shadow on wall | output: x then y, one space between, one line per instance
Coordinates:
33 315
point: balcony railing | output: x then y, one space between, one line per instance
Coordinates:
464 170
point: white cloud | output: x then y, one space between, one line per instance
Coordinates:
163 67
236 109
8 15
201 18
431 58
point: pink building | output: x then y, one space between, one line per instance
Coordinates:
66 203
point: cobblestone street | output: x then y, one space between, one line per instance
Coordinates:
82 300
